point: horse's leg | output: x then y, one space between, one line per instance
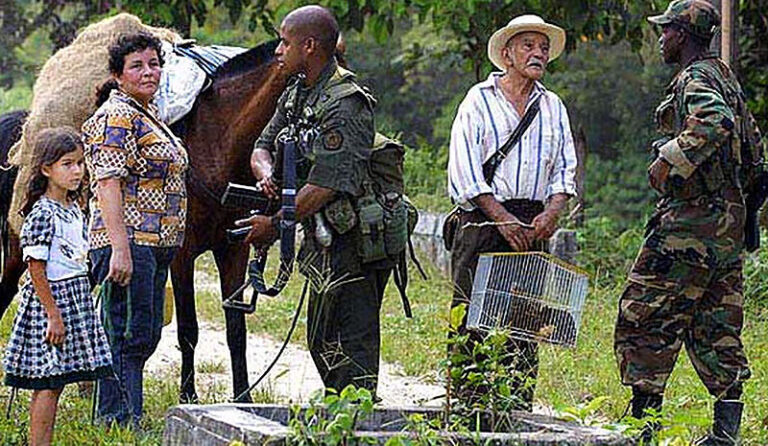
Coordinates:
183 279
231 260
13 268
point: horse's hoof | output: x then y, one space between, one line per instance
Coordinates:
189 398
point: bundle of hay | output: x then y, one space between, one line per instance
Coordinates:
64 92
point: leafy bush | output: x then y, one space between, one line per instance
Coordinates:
17 98
330 420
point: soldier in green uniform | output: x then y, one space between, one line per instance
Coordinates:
346 288
685 287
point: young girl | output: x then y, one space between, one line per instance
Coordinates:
57 338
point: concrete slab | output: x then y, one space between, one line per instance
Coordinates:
266 424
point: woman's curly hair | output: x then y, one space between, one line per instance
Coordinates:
122 47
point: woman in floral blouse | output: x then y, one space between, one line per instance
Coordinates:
138 210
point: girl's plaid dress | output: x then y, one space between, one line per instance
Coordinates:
56 234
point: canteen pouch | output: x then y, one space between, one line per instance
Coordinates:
395 227
372 245
341 215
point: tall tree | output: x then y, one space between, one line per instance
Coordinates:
473 21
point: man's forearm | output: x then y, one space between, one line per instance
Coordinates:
493 209
556 203
311 199
261 164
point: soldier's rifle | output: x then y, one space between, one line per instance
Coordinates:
287 143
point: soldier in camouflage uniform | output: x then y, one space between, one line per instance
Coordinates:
346 292
686 284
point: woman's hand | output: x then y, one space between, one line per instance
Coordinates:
56 332
120 266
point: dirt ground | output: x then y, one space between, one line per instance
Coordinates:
292 380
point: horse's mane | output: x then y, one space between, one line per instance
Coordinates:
247 61
10 131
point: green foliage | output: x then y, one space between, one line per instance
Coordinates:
755 285
330 420
474 21
485 371
606 251
17 98
73 421
618 189
611 93
425 177
753 57
422 431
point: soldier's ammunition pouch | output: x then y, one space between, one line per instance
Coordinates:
395 226
383 228
372 245
340 214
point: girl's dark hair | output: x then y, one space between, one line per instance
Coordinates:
124 46
50 146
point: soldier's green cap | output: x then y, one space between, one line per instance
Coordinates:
698 17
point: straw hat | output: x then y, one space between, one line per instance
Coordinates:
523 23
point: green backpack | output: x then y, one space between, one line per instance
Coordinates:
387 216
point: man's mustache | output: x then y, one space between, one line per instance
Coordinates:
535 62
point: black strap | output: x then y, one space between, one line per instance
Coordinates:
490 166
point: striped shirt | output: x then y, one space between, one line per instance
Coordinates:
541 164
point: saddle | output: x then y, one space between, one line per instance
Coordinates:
188 71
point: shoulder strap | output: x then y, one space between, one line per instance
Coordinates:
490 166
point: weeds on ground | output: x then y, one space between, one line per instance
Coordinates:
331 420
73 421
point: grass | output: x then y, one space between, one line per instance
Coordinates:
73 423
568 377
429 300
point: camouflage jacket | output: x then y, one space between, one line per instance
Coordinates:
704 116
700 220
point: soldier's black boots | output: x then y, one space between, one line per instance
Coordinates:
725 429
640 403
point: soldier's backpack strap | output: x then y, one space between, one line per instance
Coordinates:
342 84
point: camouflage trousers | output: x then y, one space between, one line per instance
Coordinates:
668 303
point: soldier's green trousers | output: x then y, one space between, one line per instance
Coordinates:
669 303
343 329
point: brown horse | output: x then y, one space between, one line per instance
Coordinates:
219 133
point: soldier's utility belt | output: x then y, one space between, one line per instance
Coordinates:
383 224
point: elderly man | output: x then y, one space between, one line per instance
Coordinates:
525 195
346 286
686 284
